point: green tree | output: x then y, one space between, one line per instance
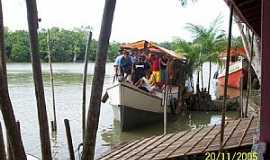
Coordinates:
113 50
18 44
210 40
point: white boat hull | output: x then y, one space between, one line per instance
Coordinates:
124 94
134 107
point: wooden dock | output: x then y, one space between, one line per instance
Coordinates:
238 135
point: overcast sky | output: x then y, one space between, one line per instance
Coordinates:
154 20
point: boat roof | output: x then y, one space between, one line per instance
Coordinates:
234 52
152 48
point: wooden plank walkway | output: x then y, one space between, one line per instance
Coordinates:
237 133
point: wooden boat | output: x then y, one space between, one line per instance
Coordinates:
237 69
134 107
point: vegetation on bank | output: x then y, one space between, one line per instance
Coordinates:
69 46
66 45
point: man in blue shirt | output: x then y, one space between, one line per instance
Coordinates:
125 65
117 63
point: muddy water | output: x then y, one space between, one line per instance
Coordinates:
68 91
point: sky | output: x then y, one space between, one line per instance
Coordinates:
153 20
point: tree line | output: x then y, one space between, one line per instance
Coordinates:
69 45
66 45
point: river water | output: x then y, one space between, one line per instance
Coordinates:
68 93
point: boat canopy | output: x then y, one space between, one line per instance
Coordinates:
235 52
152 48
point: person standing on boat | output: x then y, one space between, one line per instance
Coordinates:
148 68
117 64
163 69
155 76
138 69
126 66
133 54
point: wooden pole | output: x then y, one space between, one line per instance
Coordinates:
86 55
202 77
198 82
5 102
165 109
32 16
98 81
54 127
69 139
3 155
209 78
241 97
226 78
249 75
265 102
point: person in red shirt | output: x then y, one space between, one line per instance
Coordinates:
155 63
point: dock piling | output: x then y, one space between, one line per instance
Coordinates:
69 140
241 98
5 102
54 126
98 81
86 57
249 75
165 110
223 112
32 16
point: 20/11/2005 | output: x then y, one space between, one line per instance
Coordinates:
231 156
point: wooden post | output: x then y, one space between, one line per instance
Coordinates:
86 55
69 139
3 155
210 74
165 109
98 81
249 75
241 97
223 112
198 82
5 102
32 17
54 127
202 77
265 103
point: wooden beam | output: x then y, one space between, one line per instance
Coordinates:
98 81
246 2
32 17
86 57
54 126
5 102
265 101
239 13
226 78
69 140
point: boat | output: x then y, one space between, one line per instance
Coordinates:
237 69
134 107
